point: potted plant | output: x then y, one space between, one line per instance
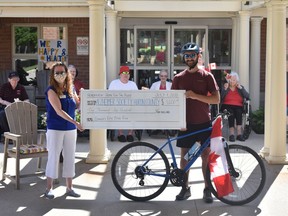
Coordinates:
257 121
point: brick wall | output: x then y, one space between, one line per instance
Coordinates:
77 27
5 45
287 46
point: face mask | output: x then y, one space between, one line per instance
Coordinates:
60 77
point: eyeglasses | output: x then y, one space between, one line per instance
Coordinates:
125 72
60 73
192 55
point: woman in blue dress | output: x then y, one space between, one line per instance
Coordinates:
61 102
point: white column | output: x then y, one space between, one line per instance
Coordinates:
97 75
118 20
268 73
244 48
255 62
111 46
278 85
235 44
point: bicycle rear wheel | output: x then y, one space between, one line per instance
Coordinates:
252 176
137 182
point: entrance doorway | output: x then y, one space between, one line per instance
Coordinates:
159 48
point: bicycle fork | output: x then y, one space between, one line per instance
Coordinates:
231 168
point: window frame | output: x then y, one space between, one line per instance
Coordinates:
40 34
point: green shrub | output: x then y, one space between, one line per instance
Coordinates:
42 116
257 121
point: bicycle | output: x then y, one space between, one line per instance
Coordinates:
141 171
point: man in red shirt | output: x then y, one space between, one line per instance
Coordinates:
197 83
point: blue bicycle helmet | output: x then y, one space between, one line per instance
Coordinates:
190 47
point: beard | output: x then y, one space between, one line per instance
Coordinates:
193 65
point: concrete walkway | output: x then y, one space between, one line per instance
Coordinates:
99 196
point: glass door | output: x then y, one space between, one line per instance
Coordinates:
159 48
183 35
152 52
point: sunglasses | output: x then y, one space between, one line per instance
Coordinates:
192 55
60 73
125 72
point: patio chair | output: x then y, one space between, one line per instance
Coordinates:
22 121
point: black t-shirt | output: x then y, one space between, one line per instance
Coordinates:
7 93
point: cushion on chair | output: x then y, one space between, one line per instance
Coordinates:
26 149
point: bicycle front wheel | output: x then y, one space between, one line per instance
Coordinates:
251 176
135 181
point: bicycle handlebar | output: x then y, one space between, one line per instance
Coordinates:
224 114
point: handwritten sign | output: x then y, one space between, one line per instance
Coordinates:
113 109
52 50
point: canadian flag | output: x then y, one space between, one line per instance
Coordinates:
212 66
218 162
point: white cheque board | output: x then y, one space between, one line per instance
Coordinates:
114 109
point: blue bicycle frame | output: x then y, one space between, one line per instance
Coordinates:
174 163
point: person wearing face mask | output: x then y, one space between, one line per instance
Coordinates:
232 99
201 91
78 85
9 92
61 102
123 83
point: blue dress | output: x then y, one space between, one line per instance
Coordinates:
56 122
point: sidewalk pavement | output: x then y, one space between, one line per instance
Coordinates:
99 197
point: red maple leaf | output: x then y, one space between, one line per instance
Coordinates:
212 161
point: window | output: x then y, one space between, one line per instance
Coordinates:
25 40
127 47
25 46
220 46
183 36
53 33
152 47
25 61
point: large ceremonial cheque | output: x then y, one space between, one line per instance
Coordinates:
114 109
